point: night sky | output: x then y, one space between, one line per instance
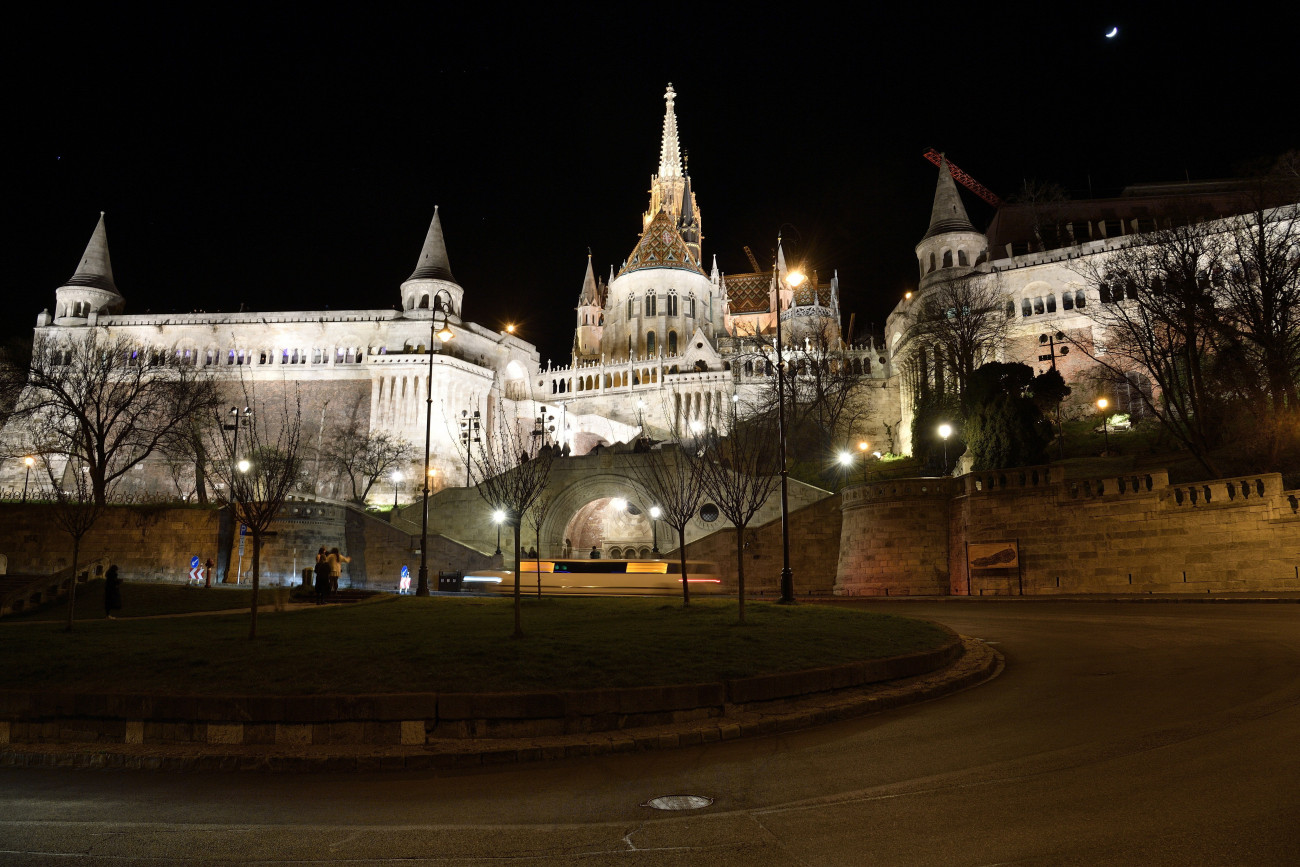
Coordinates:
292 160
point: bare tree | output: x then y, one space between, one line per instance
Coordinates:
186 448
108 403
957 326
510 471
739 472
267 468
673 476
1158 318
76 509
535 517
362 455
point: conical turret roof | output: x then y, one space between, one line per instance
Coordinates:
948 213
95 269
433 264
590 296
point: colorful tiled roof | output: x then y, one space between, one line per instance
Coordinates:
808 296
661 246
749 293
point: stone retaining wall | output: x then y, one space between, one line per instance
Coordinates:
415 719
1135 533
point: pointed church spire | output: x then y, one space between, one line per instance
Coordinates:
948 213
433 264
670 152
95 269
589 296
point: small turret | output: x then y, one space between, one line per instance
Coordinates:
591 319
90 290
432 278
951 246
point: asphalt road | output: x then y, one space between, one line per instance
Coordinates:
1119 733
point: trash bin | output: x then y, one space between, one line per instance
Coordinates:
450 582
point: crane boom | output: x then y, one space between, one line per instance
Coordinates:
752 260
964 179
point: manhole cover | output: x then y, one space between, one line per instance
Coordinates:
678 802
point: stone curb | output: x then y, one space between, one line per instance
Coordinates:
976 662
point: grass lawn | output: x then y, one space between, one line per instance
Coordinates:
147 600
407 644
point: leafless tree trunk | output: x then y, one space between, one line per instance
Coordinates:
673 476
511 470
261 476
739 472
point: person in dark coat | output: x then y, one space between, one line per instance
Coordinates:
322 582
112 592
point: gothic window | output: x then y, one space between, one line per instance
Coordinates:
749 368
1026 307
630 311
672 303
230 359
1051 303
672 342
690 307
650 343
1067 300
1038 305
650 304
1080 300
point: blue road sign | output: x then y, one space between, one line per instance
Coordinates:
194 562
243 529
406 571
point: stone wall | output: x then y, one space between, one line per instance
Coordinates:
1129 534
155 543
814 549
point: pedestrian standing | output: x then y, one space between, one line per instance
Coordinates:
322 583
112 592
336 561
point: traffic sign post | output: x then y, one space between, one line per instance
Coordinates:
196 570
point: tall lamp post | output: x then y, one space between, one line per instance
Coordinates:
1102 403
397 478
497 517
29 460
442 335
655 512
863 445
945 431
846 461
793 280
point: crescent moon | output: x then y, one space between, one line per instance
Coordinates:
1113 31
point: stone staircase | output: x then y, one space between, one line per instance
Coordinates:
19 592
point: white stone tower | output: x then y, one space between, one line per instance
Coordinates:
951 246
432 277
91 290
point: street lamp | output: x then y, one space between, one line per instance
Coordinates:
794 279
29 460
443 335
655 512
497 517
846 461
239 418
863 445
397 477
1102 403
945 431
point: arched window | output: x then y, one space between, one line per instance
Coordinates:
1038 305
650 343
672 342
1067 300
749 368
931 261
672 302
424 301
1026 307
650 304
690 306
1051 303
947 258
1080 300
961 258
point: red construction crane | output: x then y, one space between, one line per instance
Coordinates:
964 179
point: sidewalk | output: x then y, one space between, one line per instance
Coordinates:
978 664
